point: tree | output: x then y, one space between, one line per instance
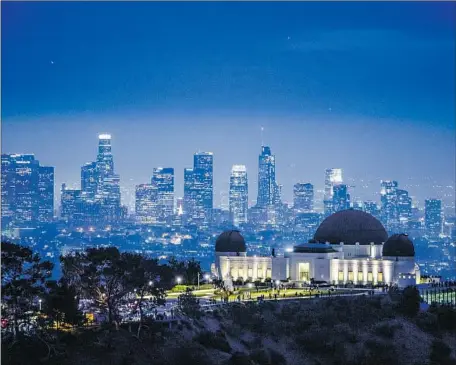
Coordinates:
23 281
190 270
409 303
188 304
149 280
61 304
103 275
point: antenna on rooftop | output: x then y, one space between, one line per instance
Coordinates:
262 141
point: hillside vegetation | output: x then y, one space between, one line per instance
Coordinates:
380 330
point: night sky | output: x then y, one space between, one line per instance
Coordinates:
368 87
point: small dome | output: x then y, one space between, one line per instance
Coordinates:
399 245
351 226
230 241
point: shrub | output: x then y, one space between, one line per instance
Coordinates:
387 330
277 358
380 353
427 321
212 340
409 302
440 353
446 317
238 358
261 357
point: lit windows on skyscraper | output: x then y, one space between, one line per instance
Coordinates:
163 179
146 203
238 199
267 185
433 217
333 177
404 207
303 197
71 205
27 191
389 199
203 166
46 194
89 179
341 198
105 161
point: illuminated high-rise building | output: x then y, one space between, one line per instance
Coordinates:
163 179
389 210
146 203
303 197
267 185
404 208
333 177
238 196
203 166
372 208
71 206
46 194
341 198
89 179
27 191
105 160
433 217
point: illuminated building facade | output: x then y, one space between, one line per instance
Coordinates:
303 197
238 197
349 246
433 217
389 211
333 177
341 198
163 180
146 203
27 191
267 185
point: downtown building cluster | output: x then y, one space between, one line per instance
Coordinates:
28 197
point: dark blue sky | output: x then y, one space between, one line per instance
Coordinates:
368 87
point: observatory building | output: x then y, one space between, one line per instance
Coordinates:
349 247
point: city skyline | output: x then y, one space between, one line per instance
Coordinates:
336 92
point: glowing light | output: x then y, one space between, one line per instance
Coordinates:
104 136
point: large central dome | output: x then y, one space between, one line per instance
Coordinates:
351 226
230 241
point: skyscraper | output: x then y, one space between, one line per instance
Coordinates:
89 179
203 166
303 197
433 217
372 208
238 195
341 198
71 206
163 179
267 185
333 177
404 208
27 191
46 194
105 161
388 197
146 203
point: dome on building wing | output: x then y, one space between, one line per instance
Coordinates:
230 241
399 245
351 226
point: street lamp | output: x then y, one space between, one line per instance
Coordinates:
207 277
178 279
39 301
151 283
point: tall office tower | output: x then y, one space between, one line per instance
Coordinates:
203 168
71 210
89 179
111 207
372 208
7 192
404 208
341 198
46 194
21 191
389 211
267 186
146 203
179 206
163 179
194 209
303 197
433 217
332 177
105 161
239 195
